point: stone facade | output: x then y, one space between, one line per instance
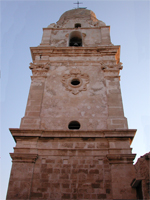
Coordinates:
75 80
72 165
142 180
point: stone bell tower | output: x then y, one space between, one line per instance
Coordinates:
74 141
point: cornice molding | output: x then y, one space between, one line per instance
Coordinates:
119 133
120 158
76 51
74 29
21 157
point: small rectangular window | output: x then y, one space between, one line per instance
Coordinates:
77 25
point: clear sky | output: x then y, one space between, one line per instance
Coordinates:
21 28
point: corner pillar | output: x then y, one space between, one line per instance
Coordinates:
122 173
21 176
33 108
116 119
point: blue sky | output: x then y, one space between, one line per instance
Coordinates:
21 28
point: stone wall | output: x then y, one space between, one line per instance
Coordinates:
74 177
142 168
96 102
71 165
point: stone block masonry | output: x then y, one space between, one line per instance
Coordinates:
70 178
92 166
73 141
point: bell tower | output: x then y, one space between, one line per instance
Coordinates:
74 141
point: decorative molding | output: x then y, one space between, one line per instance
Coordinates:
25 158
122 133
80 51
39 69
75 74
120 158
111 67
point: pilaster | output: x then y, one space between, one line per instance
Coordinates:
116 117
34 103
21 176
122 173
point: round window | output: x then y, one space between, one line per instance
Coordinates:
74 125
75 82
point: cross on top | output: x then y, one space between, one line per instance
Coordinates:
78 4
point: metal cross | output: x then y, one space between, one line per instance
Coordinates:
78 4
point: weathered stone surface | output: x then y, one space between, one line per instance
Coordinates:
93 175
74 81
142 179
96 102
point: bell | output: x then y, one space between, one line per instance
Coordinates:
76 44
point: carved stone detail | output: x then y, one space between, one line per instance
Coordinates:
111 66
75 74
39 69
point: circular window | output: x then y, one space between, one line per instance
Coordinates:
74 125
75 82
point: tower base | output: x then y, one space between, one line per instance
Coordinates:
72 165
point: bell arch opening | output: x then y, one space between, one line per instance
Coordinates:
75 39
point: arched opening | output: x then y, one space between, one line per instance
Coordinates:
74 125
77 25
75 39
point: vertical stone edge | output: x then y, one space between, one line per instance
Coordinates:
21 175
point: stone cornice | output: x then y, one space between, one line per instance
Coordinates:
120 158
22 157
74 29
122 133
73 152
76 51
